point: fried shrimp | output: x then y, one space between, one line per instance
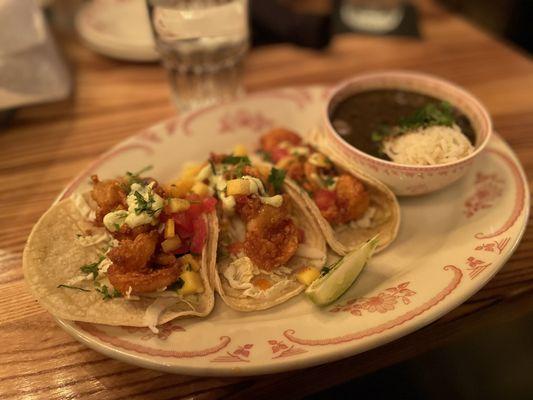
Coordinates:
108 195
272 139
143 282
271 237
247 207
352 198
134 255
131 268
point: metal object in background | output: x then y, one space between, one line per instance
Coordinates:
202 45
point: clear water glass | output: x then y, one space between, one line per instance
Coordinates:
202 44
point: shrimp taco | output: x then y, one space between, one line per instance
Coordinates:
269 246
349 207
130 252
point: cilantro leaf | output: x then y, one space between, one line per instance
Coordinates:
276 178
213 168
106 295
328 181
265 155
134 177
234 160
432 114
144 205
92 268
73 287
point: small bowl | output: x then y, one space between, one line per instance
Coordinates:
403 179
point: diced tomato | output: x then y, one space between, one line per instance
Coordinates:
183 249
324 198
200 235
208 204
195 210
277 154
183 224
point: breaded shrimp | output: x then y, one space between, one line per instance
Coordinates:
108 195
271 237
271 139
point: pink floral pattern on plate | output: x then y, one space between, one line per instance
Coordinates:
476 266
383 302
488 188
281 350
243 118
496 246
240 354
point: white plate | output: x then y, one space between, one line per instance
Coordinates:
118 29
450 244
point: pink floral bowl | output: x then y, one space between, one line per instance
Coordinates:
409 180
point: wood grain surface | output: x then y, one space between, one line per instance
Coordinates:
45 146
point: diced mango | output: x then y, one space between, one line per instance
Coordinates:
201 189
190 170
307 275
169 229
240 150
264 170
171 244
188 259
238 186
261 283
284 162
176 205
192 283
181 187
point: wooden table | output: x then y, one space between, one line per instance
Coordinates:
45 146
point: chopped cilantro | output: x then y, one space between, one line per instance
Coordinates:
328 181
265 156
92 268
429 115
134 177
73 287
234 160
276 178
144 205
213 168
106 295
238 171
381 133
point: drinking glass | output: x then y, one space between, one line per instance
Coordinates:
202 44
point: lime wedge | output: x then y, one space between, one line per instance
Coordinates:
341 275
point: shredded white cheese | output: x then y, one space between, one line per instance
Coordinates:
428 146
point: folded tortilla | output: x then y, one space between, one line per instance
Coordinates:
343 238
53 256
312 252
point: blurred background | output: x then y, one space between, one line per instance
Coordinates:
35 69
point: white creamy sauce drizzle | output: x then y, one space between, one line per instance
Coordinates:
133 217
